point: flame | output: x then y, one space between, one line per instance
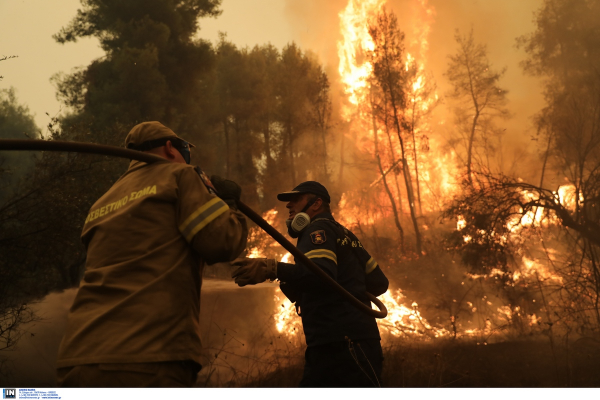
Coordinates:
286 257
566 196
438 170
354 69
460 223
286 319
401 320
260 244
533 268
405 321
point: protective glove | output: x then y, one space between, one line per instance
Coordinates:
251 271
229 191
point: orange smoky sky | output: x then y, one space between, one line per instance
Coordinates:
27 26
315 25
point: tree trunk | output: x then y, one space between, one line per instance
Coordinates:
324 154
545 159
341 172
291 151
406 172
387 189
238 156
386 80
470 147
412 131
394 161
227 149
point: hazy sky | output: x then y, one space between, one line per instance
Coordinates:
26 28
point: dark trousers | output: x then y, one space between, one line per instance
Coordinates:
343 364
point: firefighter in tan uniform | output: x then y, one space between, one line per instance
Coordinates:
135 319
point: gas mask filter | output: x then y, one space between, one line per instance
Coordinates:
300 221
297 225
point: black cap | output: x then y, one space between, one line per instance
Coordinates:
306 187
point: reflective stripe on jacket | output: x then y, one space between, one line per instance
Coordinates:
326 316
147 239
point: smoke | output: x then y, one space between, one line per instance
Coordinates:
33 362
239 339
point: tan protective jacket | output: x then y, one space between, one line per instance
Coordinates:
147 240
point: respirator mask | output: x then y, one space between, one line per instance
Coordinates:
300 221
184 149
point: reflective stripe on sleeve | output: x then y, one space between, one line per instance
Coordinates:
370 266
322 253
202 217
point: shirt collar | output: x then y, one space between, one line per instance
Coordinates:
323 215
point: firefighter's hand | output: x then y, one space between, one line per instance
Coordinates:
229 191
251 271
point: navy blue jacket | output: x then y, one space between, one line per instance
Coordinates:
326 316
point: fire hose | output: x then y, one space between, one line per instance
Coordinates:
80 147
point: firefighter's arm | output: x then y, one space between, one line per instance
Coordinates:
318 244
376 281
215 231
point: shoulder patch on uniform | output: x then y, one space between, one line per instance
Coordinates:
318 237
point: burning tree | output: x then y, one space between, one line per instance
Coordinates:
390 98
389 85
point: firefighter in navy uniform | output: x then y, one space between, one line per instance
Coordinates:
343 343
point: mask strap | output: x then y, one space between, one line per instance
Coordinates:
310 203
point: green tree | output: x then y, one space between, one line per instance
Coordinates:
478 96
239 98
270 105
16 122
153 69
301 90
264 60
321 110
564 50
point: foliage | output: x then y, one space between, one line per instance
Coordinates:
16 122
509 224
271 104
564 46
153 68
40 227
479 100
564 51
